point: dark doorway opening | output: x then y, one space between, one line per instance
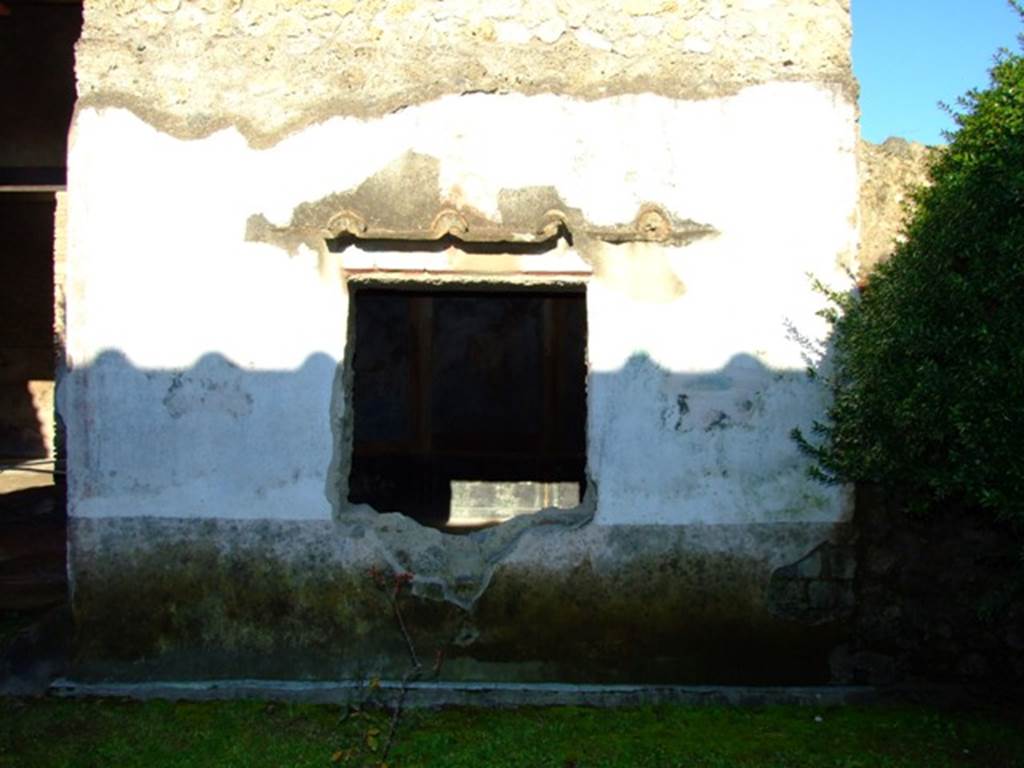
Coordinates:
37 58
469 405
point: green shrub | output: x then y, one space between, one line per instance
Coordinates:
929 355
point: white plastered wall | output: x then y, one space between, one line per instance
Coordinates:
204 366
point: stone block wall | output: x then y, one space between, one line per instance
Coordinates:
938 598
889 173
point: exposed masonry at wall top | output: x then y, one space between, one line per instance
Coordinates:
271 66
889 173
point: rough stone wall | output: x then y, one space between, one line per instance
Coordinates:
938 598
272 65
889 172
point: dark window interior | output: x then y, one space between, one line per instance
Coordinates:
37 90
26 318
486 389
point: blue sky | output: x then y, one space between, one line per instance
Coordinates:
911 54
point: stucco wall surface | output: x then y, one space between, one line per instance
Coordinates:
207 381
187 338
272 65
217 219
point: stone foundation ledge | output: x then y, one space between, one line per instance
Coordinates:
488 695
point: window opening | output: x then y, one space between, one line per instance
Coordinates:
469 405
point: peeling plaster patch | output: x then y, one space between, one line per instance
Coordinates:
682 408
672 416
718 420
187 395
406 201
640 270
458 569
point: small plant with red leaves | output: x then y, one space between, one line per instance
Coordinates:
392 583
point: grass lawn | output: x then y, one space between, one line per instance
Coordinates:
54 732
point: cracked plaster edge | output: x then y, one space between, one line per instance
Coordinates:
676 231
202 125
489 547
526 215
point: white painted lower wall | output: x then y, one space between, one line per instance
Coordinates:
206 370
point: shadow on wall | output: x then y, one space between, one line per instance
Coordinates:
262 442
543 597
782 602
